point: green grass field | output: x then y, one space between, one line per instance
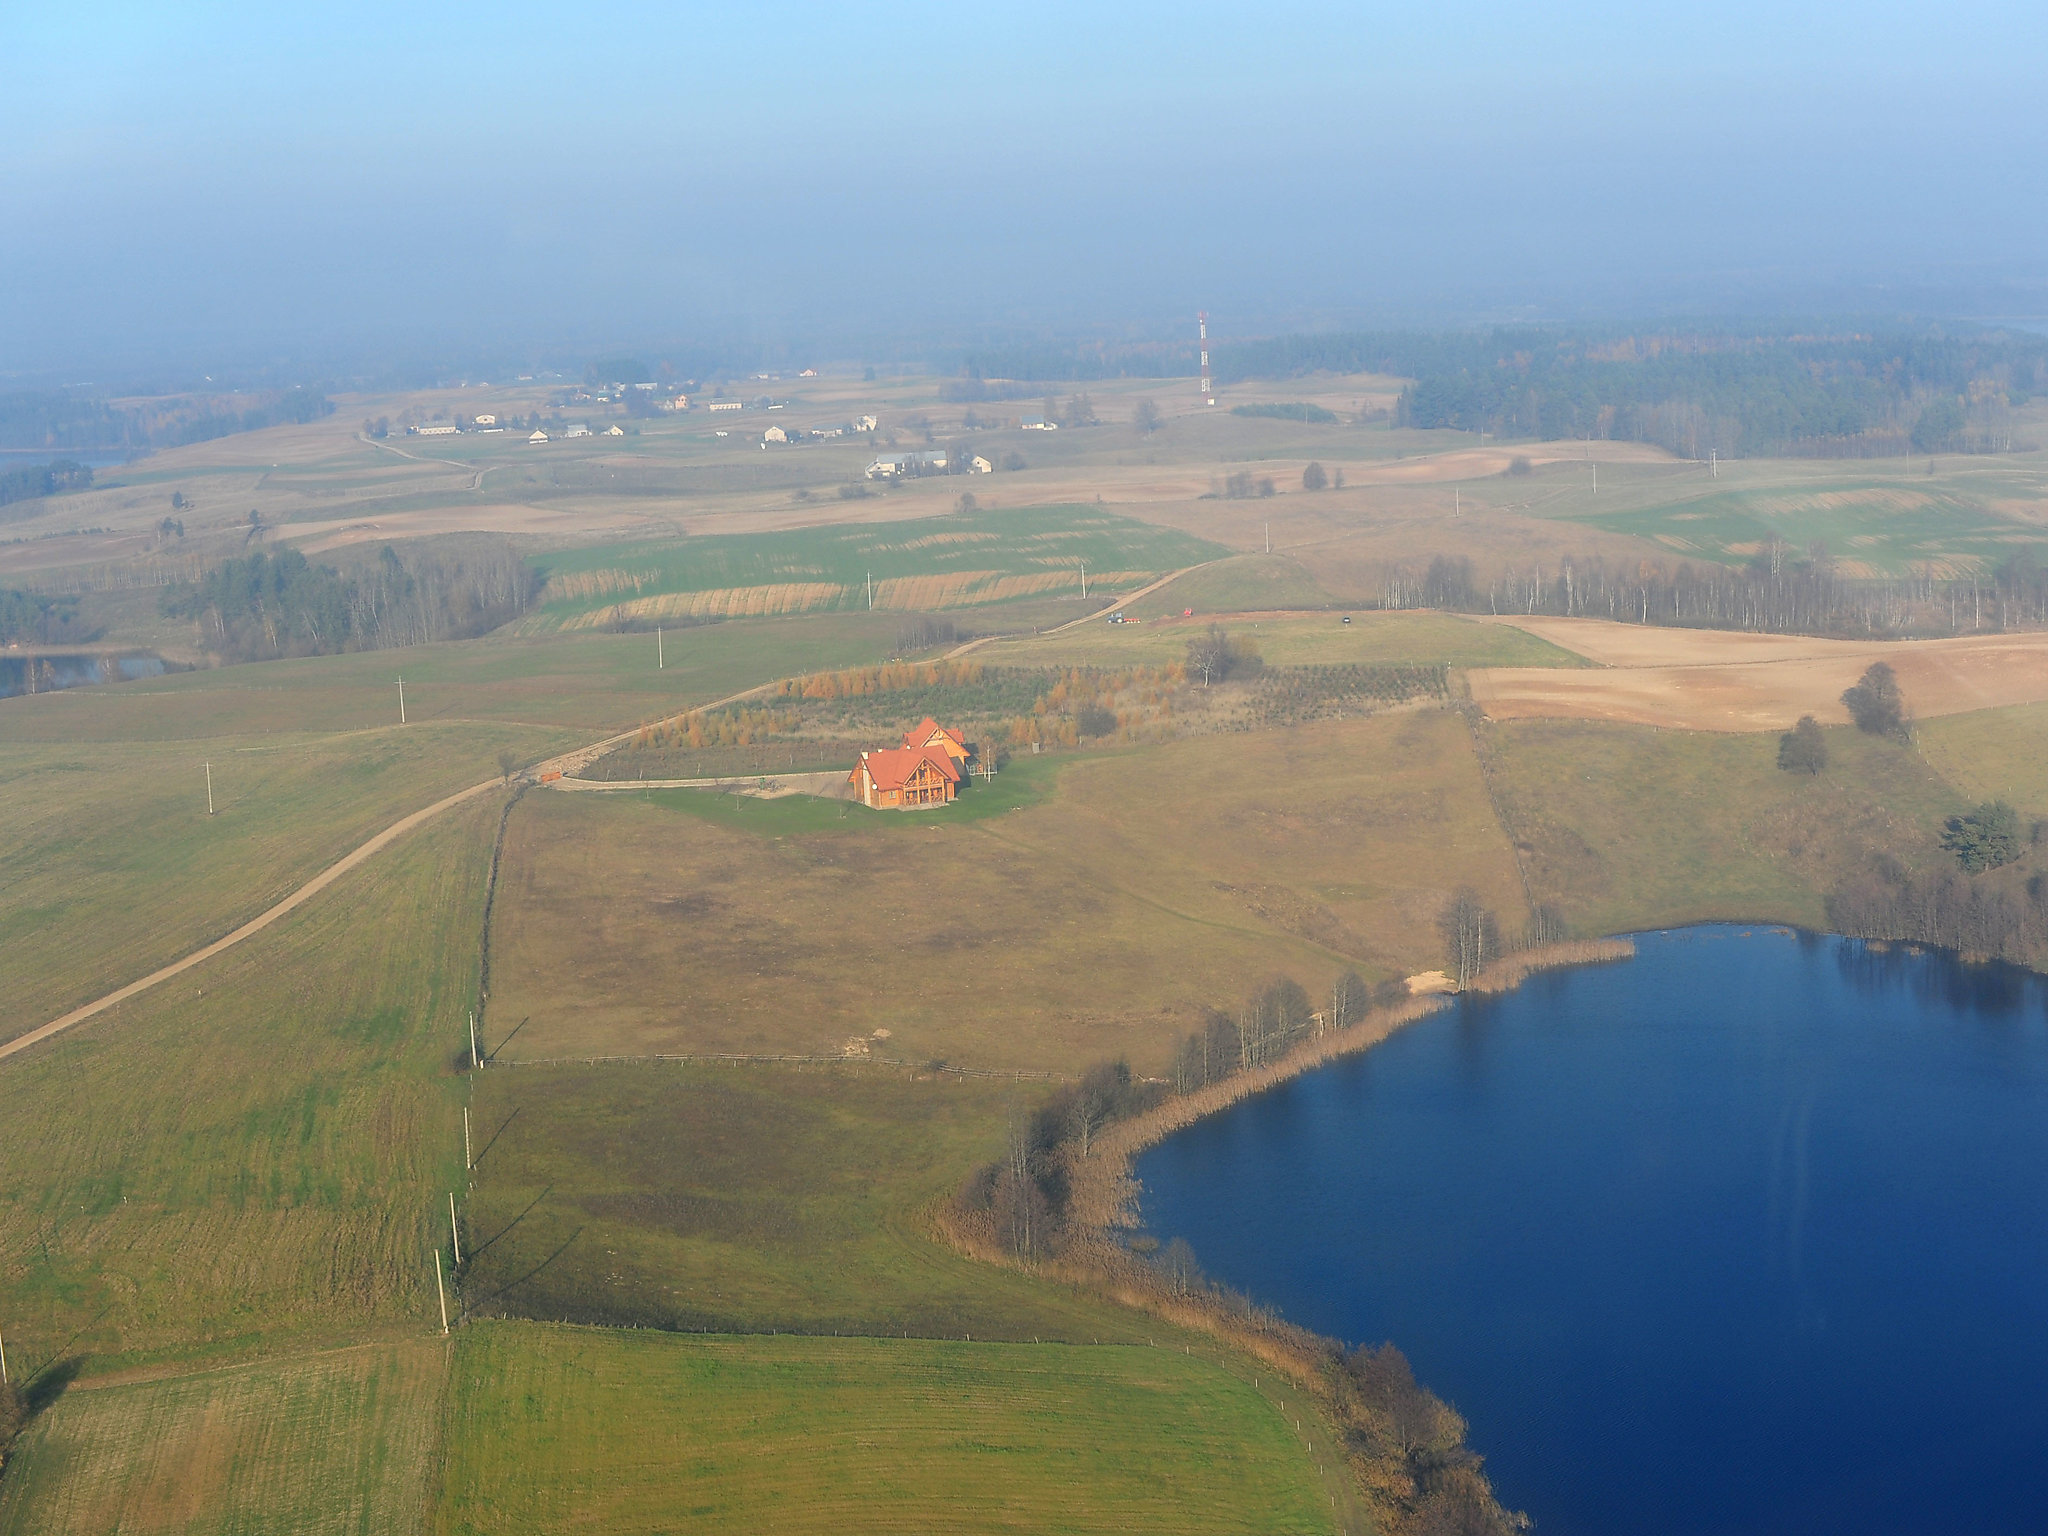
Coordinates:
253 1152
1287 640
963 559
560 1430
746 1198
344 1443
1710 828
1992 754
115 868
1877 518
586 683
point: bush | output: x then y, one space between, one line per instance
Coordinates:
1986 838
1520 465
1094 720
1313 478
1875 703
1804 748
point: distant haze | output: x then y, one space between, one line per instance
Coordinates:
194 184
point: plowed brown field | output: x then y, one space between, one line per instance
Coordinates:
1715 680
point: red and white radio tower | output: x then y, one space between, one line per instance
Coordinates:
1208 389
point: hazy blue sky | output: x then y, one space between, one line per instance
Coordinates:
198 182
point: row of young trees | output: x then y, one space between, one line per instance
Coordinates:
271 604
1780 591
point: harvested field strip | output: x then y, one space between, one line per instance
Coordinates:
960 589
324 1445
556 1430
721 603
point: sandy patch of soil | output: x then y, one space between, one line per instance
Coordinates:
1719 681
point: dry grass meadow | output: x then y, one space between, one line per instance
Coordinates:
1096 921
333 1444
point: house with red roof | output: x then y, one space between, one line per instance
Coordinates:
900 778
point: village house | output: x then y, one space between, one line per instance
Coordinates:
774 435
577 429
727 405
1040 424
899 778
615 430
486 419
538 436
980 466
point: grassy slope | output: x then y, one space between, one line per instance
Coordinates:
1630 827
113 867
558 1430
1097 920
1993 754
321 1445
745 1199
252 1152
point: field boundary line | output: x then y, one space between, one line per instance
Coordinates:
1017 1073
256 924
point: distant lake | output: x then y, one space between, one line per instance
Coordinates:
69 670
1747 1234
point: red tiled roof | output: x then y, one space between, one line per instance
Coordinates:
891 767
929 728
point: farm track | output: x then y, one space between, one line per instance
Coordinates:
563 765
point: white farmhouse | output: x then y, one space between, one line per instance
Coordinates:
577 429
538 436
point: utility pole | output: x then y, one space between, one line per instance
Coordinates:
660 657
1084 580
468 1157
401 701
454 1232
1714 462
476 1056
871 591
441 1291
1208 387
1457 501
3 1360
1269 537
1596 476
209 789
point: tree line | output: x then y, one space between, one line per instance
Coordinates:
59 420
1780 590
30 618
1799 390
270 604
32 482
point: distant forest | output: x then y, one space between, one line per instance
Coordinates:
63 422
38 480
29 618
1802 390
1779 591
267 604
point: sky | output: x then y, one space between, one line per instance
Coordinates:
184 185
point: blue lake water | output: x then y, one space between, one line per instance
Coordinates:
1746 1234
